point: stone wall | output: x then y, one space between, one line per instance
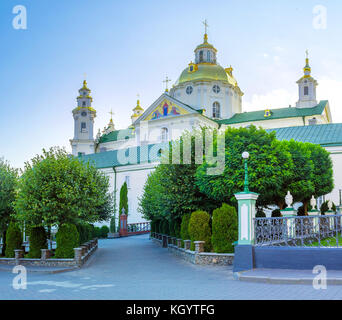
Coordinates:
195 257
85 252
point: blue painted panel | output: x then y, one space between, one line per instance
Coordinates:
297 258
243 258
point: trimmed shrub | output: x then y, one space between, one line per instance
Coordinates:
157 226
13 239
172 228
276 213
83 233
67 239
184 230
199 229
97 232
104 231
177 229
165 227
324 207
112 226
224 229
301 211
37 238
260 214
91 231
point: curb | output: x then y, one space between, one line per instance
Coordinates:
273 280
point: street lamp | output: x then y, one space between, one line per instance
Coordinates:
245 156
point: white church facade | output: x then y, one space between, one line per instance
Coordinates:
205 94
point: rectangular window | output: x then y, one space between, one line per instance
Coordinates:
306 91
127 180
83 126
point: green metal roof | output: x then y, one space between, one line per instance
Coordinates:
124 157
117 135
275 114
323 134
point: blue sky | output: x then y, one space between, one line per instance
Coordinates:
128 47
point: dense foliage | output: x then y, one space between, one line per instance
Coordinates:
123 199
38 240
56 188
67 239
13 239
185 227
224 229
8 186
324 207
199 229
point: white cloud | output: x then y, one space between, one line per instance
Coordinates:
278 98
330 89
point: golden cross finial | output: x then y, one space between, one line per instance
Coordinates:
85 76
111 114
307 54
167 80
206 25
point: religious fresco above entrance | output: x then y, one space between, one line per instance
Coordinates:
166 109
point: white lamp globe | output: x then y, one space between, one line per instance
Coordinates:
245 155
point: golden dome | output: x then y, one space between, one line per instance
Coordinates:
206 72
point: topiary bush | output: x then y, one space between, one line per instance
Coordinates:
13 239
177 229
224 229
301 211
165 227
324 207
276 213
104 231
199 229
37 238
184 229
260 214
172 228
67 239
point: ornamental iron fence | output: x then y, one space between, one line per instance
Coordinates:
305 231
136 228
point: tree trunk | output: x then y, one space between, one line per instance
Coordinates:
280 204
305 204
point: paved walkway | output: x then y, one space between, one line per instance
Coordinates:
136 268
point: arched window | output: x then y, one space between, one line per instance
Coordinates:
208 56
201 56
216 110
164 134
306 91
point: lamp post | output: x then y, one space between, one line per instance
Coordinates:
245 156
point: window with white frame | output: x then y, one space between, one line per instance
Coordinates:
216 110
164 134
128 182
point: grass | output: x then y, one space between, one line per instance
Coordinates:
327 242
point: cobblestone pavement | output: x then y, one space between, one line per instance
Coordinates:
136 268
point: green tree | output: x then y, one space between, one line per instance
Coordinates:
56 189
301 185
104 231
67 239
269 166
13 239
185 227
199 229
8 186
170 191
224 229
123 199
37 237
112 226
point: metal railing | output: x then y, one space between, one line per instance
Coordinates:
320 231
142 227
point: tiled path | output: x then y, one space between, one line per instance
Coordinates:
136 268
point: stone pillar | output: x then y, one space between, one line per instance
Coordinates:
168 240
243 258
289 213
187 244
199 246
123 225
45 254
18 254
164 241
84 250
179 243
78 256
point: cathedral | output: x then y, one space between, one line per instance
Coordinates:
205 94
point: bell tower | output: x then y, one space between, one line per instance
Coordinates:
84 115
307 87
